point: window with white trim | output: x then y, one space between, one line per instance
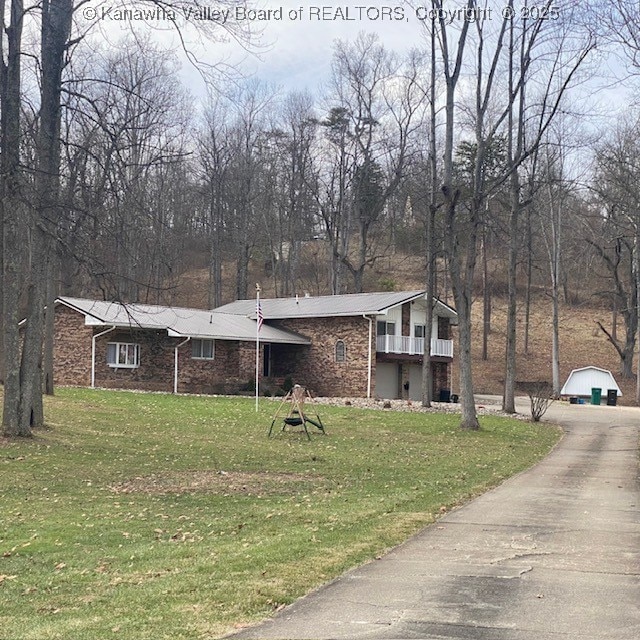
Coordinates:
341 351
386 328
123 354
202 349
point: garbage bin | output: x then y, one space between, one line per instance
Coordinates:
612 397
445 395
596 395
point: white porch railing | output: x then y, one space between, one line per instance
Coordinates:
413 346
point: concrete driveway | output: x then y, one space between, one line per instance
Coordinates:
552 553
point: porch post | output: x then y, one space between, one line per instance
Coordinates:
93 355
370 358
175 364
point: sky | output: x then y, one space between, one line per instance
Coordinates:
301 42
293 40
292 47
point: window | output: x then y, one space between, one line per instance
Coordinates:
123 354
341 351
202 349
419 330
386 328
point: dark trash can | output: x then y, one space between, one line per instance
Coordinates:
612 397
445 395
596 395
573 400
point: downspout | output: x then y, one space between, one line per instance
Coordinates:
370 360
93 355
175 364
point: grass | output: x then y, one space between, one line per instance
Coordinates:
148 516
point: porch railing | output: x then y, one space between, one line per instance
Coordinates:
413 346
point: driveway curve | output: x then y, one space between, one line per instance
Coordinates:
552 553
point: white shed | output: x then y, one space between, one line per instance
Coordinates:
581 381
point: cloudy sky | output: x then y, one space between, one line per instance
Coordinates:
299 39
293 40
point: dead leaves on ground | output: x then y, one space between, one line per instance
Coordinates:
216 482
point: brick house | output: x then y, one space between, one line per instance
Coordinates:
358 345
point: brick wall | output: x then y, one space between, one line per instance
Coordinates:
406 319
71 348
441 377
444 328
155 372
316 366
220 375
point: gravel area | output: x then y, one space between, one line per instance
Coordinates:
490 407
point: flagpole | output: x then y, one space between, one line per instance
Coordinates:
258 323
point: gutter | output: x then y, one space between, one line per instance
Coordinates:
370 356
93 355
175 364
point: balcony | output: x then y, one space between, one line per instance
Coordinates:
413 346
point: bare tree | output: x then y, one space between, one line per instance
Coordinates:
379 103
11 208
552 52
614 232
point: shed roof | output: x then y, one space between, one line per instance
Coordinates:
179 321
354 304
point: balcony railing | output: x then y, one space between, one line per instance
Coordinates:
413 346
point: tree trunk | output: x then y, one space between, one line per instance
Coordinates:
637 283
527 298
427 369
56 27
515 150
555 248
508 402
486 298
12 213
49 325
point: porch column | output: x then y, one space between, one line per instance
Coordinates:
175 365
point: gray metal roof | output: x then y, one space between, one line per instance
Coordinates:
179 322
354 304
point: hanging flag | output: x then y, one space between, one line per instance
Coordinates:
259 315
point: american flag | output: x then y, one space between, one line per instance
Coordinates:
260 315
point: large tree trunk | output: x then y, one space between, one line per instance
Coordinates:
49 325
459 272
12 212
508 402
427 369
56 27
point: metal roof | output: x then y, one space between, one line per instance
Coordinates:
178 321
354 304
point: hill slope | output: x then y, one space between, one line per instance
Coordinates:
582 343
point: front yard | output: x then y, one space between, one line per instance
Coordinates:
148 516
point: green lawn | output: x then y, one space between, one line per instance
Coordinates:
147 516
